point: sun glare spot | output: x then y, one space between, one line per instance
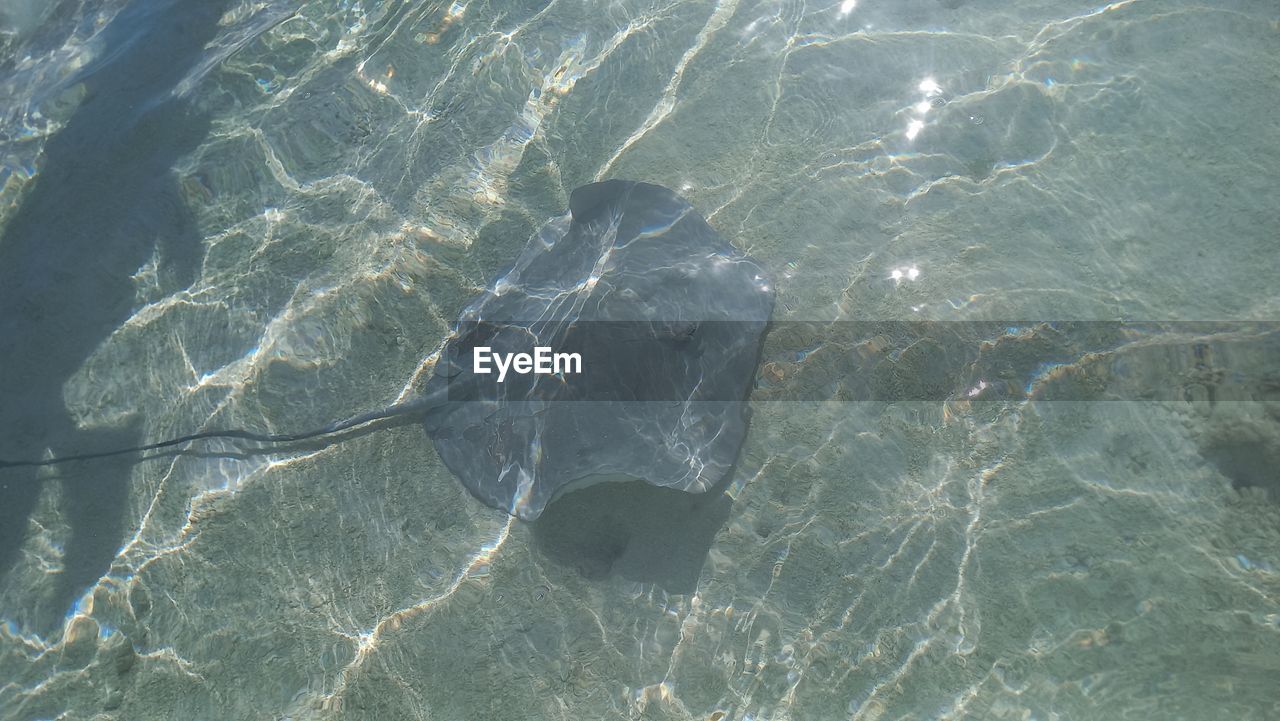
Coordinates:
897 275
847 7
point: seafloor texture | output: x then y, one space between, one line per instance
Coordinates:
254 214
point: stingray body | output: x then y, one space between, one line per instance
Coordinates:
668 319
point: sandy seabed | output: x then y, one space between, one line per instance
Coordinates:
349 175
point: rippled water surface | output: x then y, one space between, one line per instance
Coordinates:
267 214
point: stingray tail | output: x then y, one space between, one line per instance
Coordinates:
418 405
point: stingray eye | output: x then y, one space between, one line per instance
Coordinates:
682 331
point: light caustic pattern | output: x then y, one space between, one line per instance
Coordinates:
370 165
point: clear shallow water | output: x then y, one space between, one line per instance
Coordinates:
267 216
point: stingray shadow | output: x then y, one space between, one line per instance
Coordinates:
635 530
105 201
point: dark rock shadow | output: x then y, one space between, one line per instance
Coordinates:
636 530
104 202
1248 464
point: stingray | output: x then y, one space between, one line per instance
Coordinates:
665 320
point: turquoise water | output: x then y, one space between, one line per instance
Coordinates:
266 215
